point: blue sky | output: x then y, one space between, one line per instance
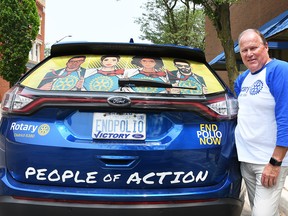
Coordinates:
92 20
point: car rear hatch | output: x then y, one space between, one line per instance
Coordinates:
137 136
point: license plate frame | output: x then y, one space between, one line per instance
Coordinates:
119 126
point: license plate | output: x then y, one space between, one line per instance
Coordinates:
124 126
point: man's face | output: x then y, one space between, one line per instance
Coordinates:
253 52
183 68
74 64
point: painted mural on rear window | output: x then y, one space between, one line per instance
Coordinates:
101 73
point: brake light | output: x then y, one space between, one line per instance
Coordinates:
14 101
227 107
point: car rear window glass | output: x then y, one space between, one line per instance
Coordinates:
102 73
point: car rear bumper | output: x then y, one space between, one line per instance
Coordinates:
16 207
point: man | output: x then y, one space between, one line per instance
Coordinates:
184 75
262 130
69 78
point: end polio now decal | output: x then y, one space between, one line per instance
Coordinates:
127 126
209 134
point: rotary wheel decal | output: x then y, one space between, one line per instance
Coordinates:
66 83
103 83
43 129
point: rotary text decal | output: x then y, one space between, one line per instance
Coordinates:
29 130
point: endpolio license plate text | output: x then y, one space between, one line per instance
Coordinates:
128 126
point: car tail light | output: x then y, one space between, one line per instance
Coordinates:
14 101
227 107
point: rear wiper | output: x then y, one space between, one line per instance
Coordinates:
149 83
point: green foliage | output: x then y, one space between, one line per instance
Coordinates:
218 11
172 22
19 25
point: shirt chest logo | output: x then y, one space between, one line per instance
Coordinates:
254 89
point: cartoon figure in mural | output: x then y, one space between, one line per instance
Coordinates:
148 68
106 77
69 78
184 77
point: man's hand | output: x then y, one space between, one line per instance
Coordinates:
270 175
79 84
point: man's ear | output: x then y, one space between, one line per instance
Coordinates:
266 46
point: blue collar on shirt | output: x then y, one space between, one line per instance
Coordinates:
256 72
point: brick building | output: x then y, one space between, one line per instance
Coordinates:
37 52
259 14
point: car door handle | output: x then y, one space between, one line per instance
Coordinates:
118 161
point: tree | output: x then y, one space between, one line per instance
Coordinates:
218 11
165 23
172 21
19 25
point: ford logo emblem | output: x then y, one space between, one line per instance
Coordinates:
119 101
137 136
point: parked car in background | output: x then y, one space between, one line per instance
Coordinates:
119 129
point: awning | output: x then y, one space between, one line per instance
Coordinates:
275 31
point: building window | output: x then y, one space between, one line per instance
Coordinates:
40 26
34 54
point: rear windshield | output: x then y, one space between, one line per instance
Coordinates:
103 72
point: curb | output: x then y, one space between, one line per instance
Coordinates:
284 199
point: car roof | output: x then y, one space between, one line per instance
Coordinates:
149 50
